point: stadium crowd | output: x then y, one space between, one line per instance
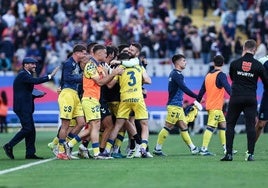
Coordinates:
47 30
50 31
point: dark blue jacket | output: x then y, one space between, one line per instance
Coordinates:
22 90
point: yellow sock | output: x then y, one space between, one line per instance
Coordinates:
222 136
55 140
119 139
68 139
186 137
72 142
162 136
206 138
96 149
61 148
144 144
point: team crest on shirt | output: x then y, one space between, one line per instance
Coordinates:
246 66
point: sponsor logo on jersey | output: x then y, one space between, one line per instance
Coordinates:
246 66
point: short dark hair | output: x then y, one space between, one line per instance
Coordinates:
250 44
218 60
123 56
98 47
177 57
122 46
90 46
111 50
79 48
137 45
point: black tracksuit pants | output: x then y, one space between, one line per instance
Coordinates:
238 104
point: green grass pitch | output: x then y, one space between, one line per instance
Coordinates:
178 169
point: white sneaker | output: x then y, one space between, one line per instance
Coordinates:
55 151
149 155
83 153
206 153
68 149
103 156
137 151
195 151
131 153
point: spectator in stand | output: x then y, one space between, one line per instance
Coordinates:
261 47
188 4
263 7
238 48
3 25
41 21
5 64
173 43
205 5
249 25
226 49
206 42
7 45
10 18
5 5
215 47
3 111
19 9
34 52
52 61
188 45
196 41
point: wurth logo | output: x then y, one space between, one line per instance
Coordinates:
246 66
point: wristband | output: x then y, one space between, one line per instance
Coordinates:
198 105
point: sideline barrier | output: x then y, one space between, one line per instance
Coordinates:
157 121
50 118
42 118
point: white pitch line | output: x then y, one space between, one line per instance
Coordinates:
31 164
34 163
25 166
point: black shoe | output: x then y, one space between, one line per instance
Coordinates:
9 151
33 157
227 157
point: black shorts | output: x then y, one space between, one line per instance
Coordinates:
105 111
263 111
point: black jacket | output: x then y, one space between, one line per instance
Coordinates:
244 73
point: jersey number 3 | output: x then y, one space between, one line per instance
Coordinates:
132 77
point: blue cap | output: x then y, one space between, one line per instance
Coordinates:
27 60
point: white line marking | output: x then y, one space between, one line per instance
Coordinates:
25 166
29 165
34 163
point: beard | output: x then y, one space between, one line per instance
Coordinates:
131 55
32 70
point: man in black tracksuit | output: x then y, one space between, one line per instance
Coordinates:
244 73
